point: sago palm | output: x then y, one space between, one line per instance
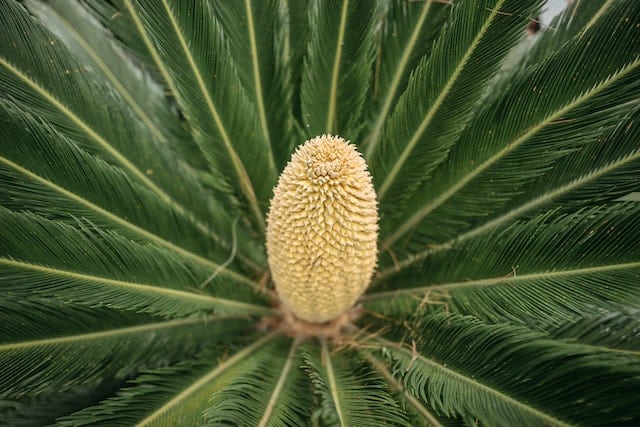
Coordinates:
458 242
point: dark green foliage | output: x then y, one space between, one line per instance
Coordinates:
349 392
463 366
139 144
337 67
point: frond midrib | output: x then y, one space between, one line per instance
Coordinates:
111 217
331 379
335 72
129 330
135 106
374 136
243 176
594 348
548 419
391 176
596 17
207 378
395 385
425 210
115 154
430 207
503 280
151 48
257 82
279 387
213 302
512 214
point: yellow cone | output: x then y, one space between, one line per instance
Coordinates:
322 229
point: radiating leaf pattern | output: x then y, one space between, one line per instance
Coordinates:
420 130
593 255
407 33
512 393
544 112
139 144
52 89
49 363
350 394
211 95
257 33
171 395
272 393
337 67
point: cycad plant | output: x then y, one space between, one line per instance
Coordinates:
457 243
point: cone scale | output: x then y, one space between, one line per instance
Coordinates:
322 230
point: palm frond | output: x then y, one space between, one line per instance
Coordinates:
577 18
406 35
337 67
350 392
594 264
183 36
139 144
442 93
114 17
47 173
42 77
259 45
299 32
272 391
176 395
83 34
100 268
601 172
608 330
519 125
505 375
56 348
44 411
417 411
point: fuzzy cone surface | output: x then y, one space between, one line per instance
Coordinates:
322 230
142 141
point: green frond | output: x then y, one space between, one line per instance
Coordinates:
337 68
350 392
258 34
416 411
577 18
83 347
176 395
603 171
47 173
42 77
505 375
96 48
114 17
406 35
600 270
272 391
190 47
44 411
512 275
484 169
442 92
613 330
100 268
140 141
299 32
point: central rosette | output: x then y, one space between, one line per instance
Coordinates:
322 230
